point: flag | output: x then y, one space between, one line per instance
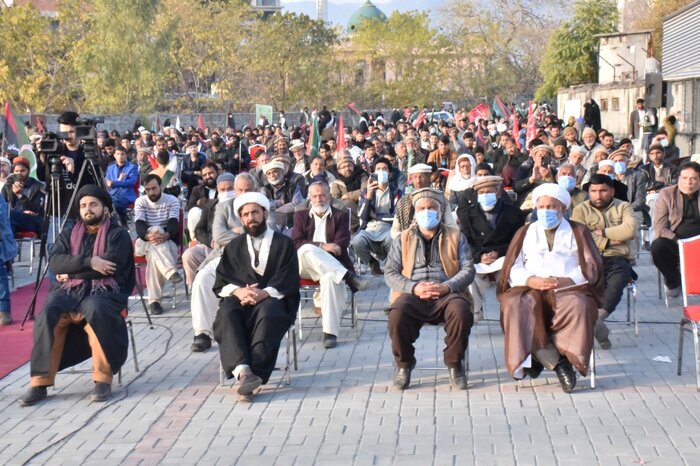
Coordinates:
177 123
158 127
40 125
200 123
516 129
340 140
480 112
263 111
314 139
254 151
351 106
531 125
500 109
15 134
420 118
170 170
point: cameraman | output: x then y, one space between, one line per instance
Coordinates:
24 197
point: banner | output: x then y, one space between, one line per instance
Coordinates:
263 111
480 112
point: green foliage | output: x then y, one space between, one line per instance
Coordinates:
652 18
571 55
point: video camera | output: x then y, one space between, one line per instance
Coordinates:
53 144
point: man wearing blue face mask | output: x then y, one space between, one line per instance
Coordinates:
636 181
613 225
566 178
550 287
489 224
376 212
428 270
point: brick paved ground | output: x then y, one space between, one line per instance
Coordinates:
341 409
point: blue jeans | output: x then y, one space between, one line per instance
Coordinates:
4 290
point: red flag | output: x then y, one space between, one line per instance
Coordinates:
516 128
351 106
340 140
40 125
480 112
422 116
499 107
200 123
152 160
531 125
159 128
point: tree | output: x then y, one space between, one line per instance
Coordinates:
571 55
119 58
652 17
31 67
401 60
205 53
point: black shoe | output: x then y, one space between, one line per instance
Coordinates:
356 282
535 370
33 396
375 267
567 376
601 334
101 392
202 342
402 377
175 278
156 309
329 341
248 383
458 378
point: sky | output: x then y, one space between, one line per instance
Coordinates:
339 11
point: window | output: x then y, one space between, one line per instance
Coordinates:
615 104
603 105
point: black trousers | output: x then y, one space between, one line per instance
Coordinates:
408 314
617 271
666 258
251 334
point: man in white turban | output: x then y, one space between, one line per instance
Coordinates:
258 279
550 288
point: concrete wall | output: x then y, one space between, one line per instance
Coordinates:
622 57
684 102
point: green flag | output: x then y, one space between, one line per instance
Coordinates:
314 139
16 140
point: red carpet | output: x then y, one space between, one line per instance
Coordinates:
16 345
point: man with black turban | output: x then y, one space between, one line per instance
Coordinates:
82 315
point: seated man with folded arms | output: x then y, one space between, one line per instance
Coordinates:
429 270
322 235
676 216
612 223
81 318
550 289
258 279
225 226
156 216
489 224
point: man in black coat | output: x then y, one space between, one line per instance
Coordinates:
24 198
82 315
488 223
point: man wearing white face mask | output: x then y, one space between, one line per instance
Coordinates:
489 225
428 270
376 212
550 287
321 235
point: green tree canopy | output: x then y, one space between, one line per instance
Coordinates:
571 55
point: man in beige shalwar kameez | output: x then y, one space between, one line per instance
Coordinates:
550 289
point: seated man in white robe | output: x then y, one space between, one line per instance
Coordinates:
550 289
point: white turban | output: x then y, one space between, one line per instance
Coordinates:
273 165
420 168
248 198
606 163
552 190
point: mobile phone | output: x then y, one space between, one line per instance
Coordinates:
374 178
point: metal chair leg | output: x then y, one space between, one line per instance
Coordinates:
696 344
680 345
130 325
592 367
31 255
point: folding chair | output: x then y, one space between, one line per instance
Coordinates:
690 278
307 288
27 237
631 291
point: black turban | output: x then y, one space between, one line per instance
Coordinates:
95 191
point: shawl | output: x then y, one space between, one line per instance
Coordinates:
106 284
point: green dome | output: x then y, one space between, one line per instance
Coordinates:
366 12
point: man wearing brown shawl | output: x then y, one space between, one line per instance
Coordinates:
550 289
81 318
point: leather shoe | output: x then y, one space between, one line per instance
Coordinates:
175 278
248 382
202 342
101 392
356 282
601 334
156 309
567 376
329 341
402 376
375 267
458 378
535 370
33 396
